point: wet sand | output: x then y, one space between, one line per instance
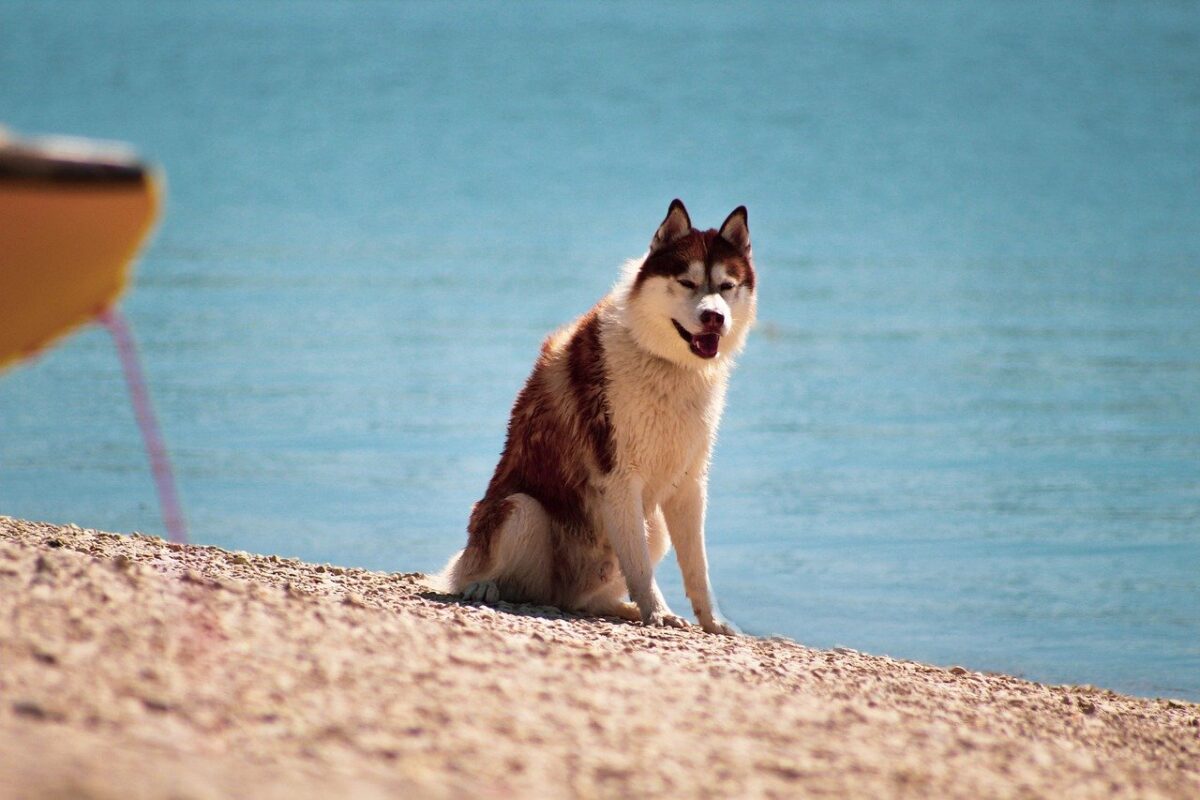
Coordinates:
133 667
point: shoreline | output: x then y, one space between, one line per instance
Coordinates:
136 667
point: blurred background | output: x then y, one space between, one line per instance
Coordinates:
966 431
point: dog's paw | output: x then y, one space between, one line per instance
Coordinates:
483 591
664 619
721 626
624 610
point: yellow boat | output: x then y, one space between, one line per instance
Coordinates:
72 217
73 214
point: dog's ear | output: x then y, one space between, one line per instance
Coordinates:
736 230
677 224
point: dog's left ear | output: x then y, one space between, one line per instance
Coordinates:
736 230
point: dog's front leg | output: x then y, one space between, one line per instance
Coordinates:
625 522
684 514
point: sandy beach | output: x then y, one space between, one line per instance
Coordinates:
137 668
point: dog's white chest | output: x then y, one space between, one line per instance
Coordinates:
663 422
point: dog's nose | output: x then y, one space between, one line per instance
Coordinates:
712 319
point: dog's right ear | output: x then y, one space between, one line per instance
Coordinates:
677 224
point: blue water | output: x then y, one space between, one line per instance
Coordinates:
966 431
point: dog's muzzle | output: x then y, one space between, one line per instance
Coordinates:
704 344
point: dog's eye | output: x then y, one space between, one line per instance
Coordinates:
726 286
687 284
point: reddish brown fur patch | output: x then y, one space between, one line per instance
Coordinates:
707 247
585 361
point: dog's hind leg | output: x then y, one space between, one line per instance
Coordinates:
513 561
657 539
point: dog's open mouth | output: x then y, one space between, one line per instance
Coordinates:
704 345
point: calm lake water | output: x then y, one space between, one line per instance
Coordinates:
967 430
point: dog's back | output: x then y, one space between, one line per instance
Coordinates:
559 440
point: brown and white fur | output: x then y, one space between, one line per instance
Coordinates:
606 462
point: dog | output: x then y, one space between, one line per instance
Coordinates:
606 461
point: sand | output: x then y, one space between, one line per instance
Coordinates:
133 667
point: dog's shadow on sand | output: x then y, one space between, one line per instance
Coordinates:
519 609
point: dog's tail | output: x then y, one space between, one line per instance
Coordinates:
445 582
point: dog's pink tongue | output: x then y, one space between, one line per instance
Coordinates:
707 344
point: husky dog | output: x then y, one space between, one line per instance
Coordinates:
606 461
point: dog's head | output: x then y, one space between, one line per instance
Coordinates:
691 299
